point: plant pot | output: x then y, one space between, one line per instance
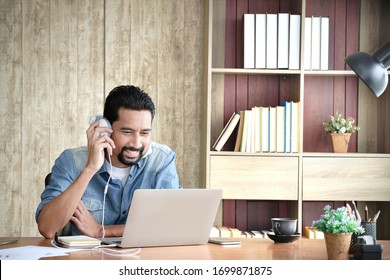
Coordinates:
337 245
340 142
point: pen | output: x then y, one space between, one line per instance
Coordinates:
351 213
356 211
8 241
366 213
376 216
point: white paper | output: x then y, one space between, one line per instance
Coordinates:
33 252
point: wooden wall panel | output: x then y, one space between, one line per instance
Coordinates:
58 61
170 77
35 113
11 80
118 47
193 105
64 131
90 63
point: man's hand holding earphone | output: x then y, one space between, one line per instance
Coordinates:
98 140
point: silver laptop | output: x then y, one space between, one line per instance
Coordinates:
169 217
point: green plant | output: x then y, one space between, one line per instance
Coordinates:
339 124
337 221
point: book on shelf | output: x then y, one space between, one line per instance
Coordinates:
287 128
315 43
249 40
324 60
280 128
264 129
269 129
307 44
260 41
294 42
272 41
237 147
283 40
226 132
294 127
292 131
250 132
256 129
245 132
272 129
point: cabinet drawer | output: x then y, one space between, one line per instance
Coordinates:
255 177
364 179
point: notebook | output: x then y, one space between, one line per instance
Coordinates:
169 217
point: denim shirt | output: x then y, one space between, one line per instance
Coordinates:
156 170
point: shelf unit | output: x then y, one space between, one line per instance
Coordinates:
259 186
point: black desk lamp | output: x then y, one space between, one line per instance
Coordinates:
372 69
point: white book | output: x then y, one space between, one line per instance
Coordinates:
78 241
250 148
287 128
249 40
280 128
243 147
226 132
315 43
307 44
283 46
237 146
294 127
260 41
256 128
294 42
272 129
272 41
324 43
264 129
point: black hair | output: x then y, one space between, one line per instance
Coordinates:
128 97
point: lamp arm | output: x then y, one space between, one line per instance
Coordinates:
383 55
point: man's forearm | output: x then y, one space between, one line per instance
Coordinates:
57 213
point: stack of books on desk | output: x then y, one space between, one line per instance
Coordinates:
311 233
78 241
228 232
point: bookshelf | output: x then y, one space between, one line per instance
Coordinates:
259 186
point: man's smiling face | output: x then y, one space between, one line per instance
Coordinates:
132 135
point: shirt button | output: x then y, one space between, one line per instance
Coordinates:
124 212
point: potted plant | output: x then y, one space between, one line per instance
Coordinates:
340 130
338 225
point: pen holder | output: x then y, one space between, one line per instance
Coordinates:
369 228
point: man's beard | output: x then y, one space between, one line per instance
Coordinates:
130 162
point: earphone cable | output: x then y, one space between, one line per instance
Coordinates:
104 197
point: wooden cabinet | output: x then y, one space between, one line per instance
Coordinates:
314 175
360 178
255 177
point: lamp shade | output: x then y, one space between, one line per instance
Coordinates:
372 69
